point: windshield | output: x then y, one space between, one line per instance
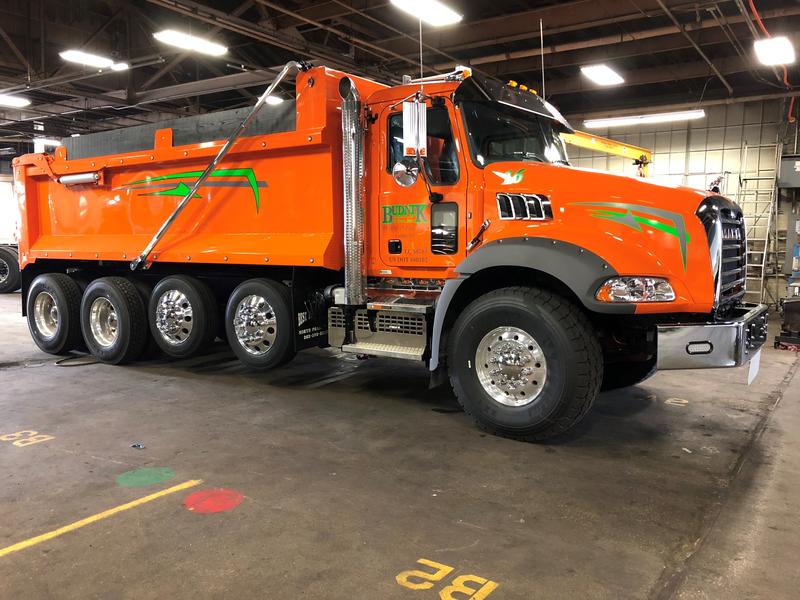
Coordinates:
498 132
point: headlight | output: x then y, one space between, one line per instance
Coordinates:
636 289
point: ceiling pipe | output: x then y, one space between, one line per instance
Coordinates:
702 54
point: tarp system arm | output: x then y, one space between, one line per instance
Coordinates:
142 258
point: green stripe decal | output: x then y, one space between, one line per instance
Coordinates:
183 188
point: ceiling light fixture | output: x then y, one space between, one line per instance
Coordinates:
602 75
274 100
431 12
686 115
190 42
775 51
92 60
13 101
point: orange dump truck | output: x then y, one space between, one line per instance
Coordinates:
438 221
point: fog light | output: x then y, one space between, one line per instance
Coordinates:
636 289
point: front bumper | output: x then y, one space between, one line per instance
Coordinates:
730 343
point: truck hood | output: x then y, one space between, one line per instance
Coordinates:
637 227
575 184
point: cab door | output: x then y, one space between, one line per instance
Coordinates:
416 234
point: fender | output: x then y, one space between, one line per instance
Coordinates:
581 270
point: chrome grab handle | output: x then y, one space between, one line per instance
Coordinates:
142 258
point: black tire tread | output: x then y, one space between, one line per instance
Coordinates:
589 364
139 328
15 277
72 294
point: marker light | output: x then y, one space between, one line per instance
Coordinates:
92 60
13 101
635 289
775 51
432 12
190 42
602 75
686 115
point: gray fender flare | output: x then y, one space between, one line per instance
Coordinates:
581 270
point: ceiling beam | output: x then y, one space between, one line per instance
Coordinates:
617 38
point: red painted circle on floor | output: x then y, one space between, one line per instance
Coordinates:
206 502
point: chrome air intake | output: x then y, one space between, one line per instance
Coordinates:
353 165
727 243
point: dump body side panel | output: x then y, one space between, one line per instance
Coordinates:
276 199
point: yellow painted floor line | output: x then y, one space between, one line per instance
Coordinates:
98 517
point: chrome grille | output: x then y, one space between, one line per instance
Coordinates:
727 243
733 269
524 207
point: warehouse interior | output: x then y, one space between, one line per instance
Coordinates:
354 475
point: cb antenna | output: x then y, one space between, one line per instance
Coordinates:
541 44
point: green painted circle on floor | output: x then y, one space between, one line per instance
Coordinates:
145 476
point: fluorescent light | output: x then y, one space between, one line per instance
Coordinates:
602 75
120 66
432 12
13 101
190 42
686 115
274 100
775 51
84 58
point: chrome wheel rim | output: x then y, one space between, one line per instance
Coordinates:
5 271
255 325
45 315
174 317
511 366
103 322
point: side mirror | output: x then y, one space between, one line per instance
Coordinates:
415 129
406 172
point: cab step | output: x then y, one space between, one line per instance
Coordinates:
388 350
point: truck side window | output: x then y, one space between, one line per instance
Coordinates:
444 228
441 164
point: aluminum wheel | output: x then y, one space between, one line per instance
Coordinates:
5 271
174 317
255 325
511 366
45 314
103 322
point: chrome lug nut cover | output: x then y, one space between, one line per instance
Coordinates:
255 325
511 366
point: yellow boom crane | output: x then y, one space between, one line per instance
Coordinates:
642 157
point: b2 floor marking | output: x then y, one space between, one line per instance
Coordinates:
20 439
462 587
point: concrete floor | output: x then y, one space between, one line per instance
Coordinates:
683 487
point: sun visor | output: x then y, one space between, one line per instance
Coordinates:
479 88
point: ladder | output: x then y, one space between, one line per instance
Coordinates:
758 199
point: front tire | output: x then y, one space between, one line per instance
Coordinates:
54 313
621 375
114 320
259 324
525 363
10 277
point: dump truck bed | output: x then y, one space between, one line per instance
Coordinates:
276 198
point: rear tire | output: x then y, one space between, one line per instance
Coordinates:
259 324
183 316
114 320
10 277
524 363
54 313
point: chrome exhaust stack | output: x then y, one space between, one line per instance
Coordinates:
353 166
